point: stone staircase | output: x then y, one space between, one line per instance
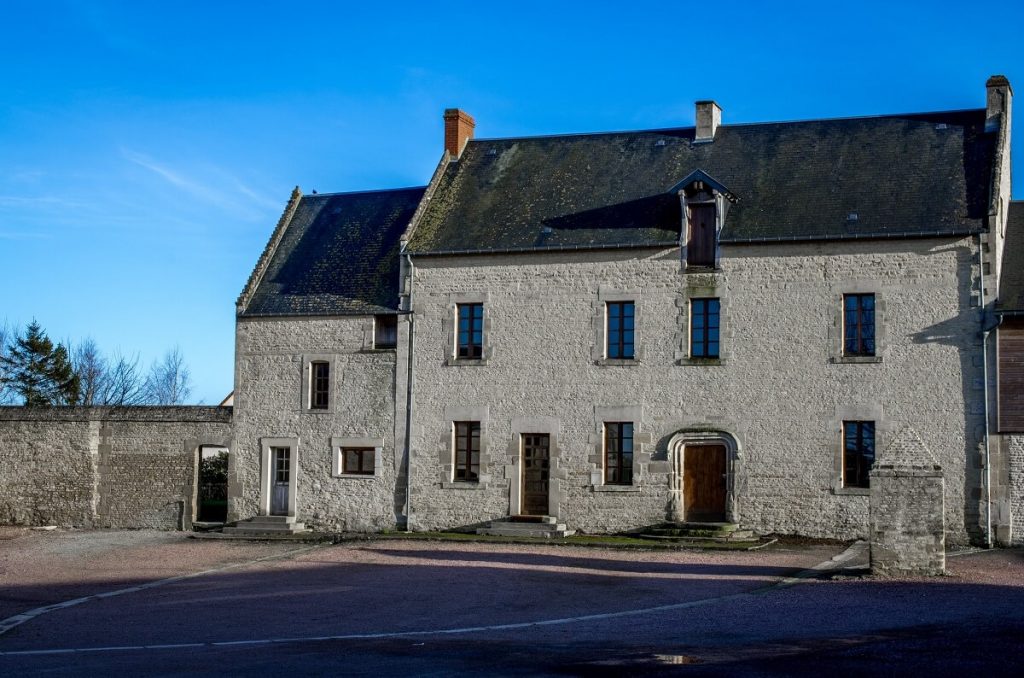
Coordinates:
544 527
695 532
266 526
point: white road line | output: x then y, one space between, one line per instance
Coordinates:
849 554
19 619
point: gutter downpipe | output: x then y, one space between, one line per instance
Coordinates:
408 403
984 363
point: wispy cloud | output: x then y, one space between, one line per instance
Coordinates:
36 201
225 192
23 235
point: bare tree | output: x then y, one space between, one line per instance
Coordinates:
169 381
7 396
91 367
117 381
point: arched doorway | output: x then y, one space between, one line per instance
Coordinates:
703 469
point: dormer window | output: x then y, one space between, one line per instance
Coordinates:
702 230
704 203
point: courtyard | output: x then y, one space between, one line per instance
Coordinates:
160 603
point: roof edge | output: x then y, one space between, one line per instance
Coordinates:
268 252
428 193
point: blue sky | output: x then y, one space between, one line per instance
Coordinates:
147 149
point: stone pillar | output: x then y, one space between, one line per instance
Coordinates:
907 510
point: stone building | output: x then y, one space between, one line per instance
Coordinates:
720 322
742 323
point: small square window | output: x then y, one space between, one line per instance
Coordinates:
385 331
467 451
858 324
320 385
620 329
618 453
358 460
470 337
705 321
858 452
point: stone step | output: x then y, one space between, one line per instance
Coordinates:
524 527
559 532
271 519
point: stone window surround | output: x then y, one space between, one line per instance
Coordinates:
875 413
307 381
523 426
450 327
599 326
446 454
836 330
338 442
707 286
642 444
267 472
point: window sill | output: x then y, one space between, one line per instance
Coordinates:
357 476
466 362
699 362
380 349
856 359
852 491
617 362
311 410
463 486
616 488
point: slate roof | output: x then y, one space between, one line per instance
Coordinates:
1011 283
338 255
903 176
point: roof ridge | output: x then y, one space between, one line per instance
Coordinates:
264 261
656 130
372 190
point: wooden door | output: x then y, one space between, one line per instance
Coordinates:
704 476
700 247
281 469
536 473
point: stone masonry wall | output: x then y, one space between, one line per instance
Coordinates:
271 378
132 467
1015 443
907 535
781 389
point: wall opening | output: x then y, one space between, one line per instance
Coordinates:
212 488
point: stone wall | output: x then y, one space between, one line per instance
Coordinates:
271 402
907 531
1014 445
132 467
780 391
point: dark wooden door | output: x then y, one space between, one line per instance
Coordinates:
536 472
281 475
704 483
700 247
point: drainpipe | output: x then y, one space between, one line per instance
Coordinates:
984 363
408 403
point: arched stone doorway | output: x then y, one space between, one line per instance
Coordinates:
703 476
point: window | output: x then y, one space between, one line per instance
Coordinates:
470 331
859 324
467 451
385 331
704 326
320 385
618 453
620 328
858 452
358 460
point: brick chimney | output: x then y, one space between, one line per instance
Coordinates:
709 117
998 99
458 129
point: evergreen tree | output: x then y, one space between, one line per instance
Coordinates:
38 371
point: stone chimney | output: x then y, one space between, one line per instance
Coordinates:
997 102
458 129
709 117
